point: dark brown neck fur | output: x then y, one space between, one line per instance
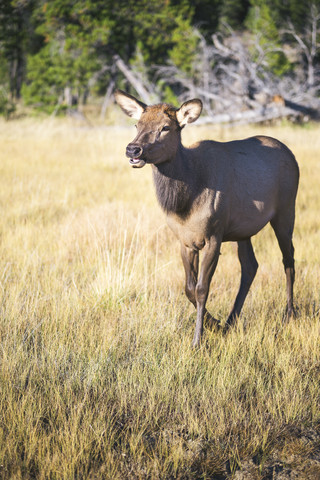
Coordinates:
175 194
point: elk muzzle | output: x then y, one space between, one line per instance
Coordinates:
134 152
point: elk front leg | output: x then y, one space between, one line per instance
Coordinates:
210 258
190 260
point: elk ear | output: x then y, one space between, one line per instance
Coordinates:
130 105
189 112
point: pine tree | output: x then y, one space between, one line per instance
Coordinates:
233 13
16 39
267 44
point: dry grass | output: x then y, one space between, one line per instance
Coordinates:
97 376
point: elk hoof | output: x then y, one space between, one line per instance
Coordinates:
230 322
227 327
210 322
291 313
196 343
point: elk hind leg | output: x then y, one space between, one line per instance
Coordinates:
283 228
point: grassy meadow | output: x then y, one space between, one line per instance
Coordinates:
97 376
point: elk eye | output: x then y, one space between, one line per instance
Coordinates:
166 128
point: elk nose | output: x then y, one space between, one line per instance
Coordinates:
133 150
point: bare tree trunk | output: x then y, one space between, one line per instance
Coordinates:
68 96
132 79
20 72
12 77
308 43
107 98
16 75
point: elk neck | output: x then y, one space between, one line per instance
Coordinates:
175 183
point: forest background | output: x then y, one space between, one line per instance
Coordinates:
230 53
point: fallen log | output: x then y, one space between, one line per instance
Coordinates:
257 115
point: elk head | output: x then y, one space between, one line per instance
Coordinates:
158 128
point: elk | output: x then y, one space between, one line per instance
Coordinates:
214 192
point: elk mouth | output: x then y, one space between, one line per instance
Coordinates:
137 162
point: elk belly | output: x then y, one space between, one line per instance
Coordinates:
248 221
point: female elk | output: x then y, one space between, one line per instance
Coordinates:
215 192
